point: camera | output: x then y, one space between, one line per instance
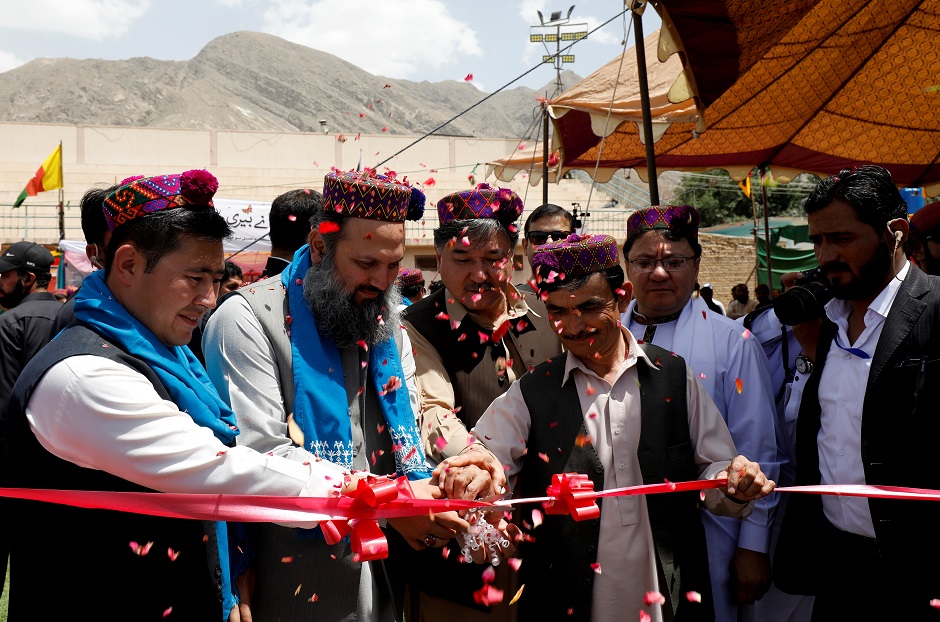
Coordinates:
805 300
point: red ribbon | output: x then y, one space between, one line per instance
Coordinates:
573 494
367 540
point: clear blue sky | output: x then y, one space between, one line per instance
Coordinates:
416 40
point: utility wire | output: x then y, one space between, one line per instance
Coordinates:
508 84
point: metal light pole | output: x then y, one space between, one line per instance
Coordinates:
563 31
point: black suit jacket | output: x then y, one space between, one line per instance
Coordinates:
899 441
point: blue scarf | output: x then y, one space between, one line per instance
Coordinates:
177 368
320 402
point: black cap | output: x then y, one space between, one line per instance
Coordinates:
29 255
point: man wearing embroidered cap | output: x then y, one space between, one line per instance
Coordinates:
316 367
410 282
663 253
923 242
472 339
611 409
117 402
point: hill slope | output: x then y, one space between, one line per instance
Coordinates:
255 81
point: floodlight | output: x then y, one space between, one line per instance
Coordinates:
551 38
556 15
535 38
567 58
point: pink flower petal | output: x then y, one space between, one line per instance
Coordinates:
653 597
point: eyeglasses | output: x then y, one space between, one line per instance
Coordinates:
670 264
541 237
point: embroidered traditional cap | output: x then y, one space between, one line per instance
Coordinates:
144 195
481 202
576 256
365 194
409 277
682 219
927 218
27 255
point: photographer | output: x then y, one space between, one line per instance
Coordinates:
866 384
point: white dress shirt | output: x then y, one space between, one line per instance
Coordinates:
612 417
842 399
101 414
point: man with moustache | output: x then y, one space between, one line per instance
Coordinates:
316 367
472 339
867 388
621 414
663 254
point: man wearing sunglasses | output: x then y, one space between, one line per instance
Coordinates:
548 223
663 253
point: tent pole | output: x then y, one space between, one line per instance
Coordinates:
637 8
763 189
544 153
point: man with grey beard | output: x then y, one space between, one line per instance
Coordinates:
315 365
472 339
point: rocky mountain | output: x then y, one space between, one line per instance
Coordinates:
255 81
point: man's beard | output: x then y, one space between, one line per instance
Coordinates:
342 319
15 297
871 275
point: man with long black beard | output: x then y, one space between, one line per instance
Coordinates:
867 390
316 366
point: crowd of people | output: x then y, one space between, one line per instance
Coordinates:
163 373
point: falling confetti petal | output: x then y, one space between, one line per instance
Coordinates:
596 567
590 390
693 597
536 518
430 181
644 617
172 554
313 599
515 562
746 334
297 591
489 575
440 443
328 227
518 593
141 549
488 595
739 385
468 78
652 598
362 344
543 457
583 440
168 611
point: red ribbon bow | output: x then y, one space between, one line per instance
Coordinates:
573 494
366 537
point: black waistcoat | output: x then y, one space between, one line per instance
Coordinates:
564 549
65 559
470 362
471 367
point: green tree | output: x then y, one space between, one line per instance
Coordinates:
719 199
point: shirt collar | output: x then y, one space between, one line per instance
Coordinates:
837 309
634 353
516 308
